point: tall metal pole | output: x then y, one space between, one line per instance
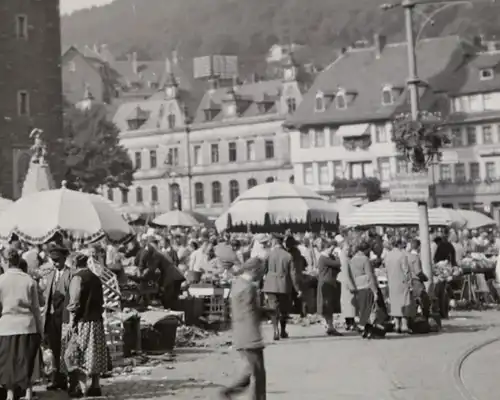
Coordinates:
188 159
413 83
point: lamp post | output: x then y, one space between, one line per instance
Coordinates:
187 126
413 84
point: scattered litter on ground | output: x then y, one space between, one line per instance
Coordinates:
192 336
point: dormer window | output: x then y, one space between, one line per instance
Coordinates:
319 105
486 74
387 96
340 100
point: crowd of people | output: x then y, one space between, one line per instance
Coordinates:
53 303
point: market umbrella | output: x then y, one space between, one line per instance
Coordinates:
388 213
176 218
38 217
275 203
458 221
476 220
128 217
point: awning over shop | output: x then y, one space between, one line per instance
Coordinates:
353 130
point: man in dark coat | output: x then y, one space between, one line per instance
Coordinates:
55 279
281 278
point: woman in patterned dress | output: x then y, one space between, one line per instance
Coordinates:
88 354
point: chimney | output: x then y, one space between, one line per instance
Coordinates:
135 68
379 42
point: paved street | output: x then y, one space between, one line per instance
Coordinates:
312 366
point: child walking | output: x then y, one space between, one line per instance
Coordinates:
247 335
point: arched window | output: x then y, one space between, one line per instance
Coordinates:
175 197
124 196
387 98
340 100
199 194
251 183
234 190
138 195
216 193
154 194
270 179
110 194
319 104
171 121
291 105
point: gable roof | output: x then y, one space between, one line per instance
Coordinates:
360 72
153 111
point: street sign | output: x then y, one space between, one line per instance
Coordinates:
410 187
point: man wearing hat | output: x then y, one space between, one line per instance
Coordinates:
280 279
55 281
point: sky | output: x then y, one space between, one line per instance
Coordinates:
68 6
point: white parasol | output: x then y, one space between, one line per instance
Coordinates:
176 218
37 217
276 203
388 213
476 220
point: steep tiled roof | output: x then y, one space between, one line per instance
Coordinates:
361 73
155 110
467 78
251 94
148 71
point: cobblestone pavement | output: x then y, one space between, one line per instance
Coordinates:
312 366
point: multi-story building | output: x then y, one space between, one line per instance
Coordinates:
469 174
234 141
30 83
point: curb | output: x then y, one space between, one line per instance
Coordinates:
457 372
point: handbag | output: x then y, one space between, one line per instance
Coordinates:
72 352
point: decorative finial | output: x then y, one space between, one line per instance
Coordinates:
39 149
64 184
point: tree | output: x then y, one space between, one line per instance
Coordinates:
89 154
373 188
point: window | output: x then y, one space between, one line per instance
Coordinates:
471 136
199 194
487 134
72 66
341 101
269 146
175 197
387 98
474 171
138 195
319 105
384 169
234 190
171 121
124 196
464 206
305 140
445 173
152 159
319 138
308 174
216 193
486 74
197 155
21 26
154 194
251 156
491 170
381 134
23 103
251 183
232 152
214 153
459 172
335 140
359 170
457 137
173 157
338 170
110 194
324 174
291 105
138 160
270 180
401 165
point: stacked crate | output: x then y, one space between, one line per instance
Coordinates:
215 305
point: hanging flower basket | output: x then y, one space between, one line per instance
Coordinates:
420 141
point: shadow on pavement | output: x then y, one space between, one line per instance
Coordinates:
138 388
